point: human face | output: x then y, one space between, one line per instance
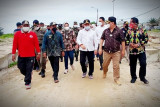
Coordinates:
133 25
102 22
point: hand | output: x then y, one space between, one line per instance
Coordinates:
132 45
100 51
63 54
136 45
83 47
13 57
95 52
76 47
38 56
44 55
122 54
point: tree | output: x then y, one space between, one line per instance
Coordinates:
1 31
153 22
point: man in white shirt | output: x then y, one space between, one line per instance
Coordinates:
87 41
99 30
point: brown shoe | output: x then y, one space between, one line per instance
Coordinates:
104 75
117 82
56 81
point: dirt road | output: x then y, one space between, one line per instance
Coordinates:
73 91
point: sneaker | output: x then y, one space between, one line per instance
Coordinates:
66 71
133 80
117 82
56 81
83 75
72 66
145 81
91 77
28 86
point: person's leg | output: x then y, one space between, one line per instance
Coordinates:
71 57
29 68
116 69
133 64
56 67
66 59
142 70
91 62
127 53
101 61
21 65
82 61
106 62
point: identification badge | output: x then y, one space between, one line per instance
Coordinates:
110 35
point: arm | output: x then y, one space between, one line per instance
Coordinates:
44 43
122 38
62 44
36 44
79 40
95 44
15 46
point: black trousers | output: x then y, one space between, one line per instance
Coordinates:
76 54
54 61
133 64
90 56
25 64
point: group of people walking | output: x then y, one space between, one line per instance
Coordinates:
107 40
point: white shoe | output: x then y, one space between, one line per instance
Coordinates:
72 66
28 86
66 71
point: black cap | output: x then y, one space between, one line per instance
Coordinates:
53 23
35 22
25 22
18 24
86 21
135 20
112 19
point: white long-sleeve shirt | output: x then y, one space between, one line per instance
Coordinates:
88 39
99 30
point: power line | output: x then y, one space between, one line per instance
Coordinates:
144 12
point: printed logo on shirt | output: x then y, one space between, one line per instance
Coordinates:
31 36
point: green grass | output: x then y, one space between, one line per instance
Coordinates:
12 64
5 36
155 30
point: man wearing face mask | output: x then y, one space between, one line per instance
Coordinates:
113 37
53 46
69 40
41 64
99 30
87 41
76 30
137 39
125 30
25 42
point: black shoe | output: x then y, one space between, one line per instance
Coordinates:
133 80
42 73
101 68
145 81
39 73
61 60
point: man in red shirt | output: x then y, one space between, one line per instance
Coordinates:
25 42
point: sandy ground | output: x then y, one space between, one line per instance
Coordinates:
73 91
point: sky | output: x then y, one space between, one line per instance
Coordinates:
60 11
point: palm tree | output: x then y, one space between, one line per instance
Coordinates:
153 22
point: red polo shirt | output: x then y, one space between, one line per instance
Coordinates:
25 43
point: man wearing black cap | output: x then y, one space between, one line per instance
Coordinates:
113 37
53 46
87 41
19 26
25 42
41 64
137 39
